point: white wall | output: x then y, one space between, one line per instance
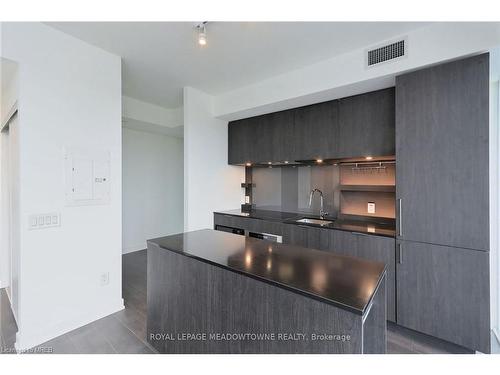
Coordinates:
69 96
9 83
153 186
144 116
346 74
151 113
210 183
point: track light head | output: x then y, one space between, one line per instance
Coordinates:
202 33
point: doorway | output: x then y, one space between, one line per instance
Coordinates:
9 186
8 139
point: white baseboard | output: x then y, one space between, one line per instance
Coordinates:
131 249
25 341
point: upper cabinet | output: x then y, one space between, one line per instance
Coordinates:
261 139
367 125
239 134
357 126
277 128
316 131
442 170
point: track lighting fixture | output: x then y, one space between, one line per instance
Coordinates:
202 33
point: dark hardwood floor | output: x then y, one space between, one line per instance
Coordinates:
8 327
125 331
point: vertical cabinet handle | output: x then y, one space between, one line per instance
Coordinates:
400 216
400 253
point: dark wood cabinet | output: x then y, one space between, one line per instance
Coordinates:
231 221
376 248
366 124
361 125
262 139
278 128
295 235
444 292
316 131
248 224
320 239
442 170
239 148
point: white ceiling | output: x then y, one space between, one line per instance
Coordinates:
160 58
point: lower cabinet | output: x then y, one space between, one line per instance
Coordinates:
234 221
376 248
371 247
444 292
320 239
248 224
295 235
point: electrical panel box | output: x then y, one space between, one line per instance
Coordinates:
87 177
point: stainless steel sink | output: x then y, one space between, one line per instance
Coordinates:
314 221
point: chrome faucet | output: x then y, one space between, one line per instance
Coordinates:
322 212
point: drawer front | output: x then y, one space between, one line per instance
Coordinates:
249 224
229 221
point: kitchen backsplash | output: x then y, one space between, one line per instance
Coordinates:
287 189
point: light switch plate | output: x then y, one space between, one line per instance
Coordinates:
42 221
371 207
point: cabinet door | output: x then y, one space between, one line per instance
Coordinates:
279 127
239 147
382 249
318 238
367 124
316 131
261 139
442 154
271 138
376 248
444 292
295 235
270 227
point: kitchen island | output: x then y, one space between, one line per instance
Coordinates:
217 292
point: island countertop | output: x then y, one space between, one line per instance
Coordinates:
343 281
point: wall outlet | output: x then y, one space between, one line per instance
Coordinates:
247 199
104 279
371 207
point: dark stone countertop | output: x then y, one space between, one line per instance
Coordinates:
358 226
346 282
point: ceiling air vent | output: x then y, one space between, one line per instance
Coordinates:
386 53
